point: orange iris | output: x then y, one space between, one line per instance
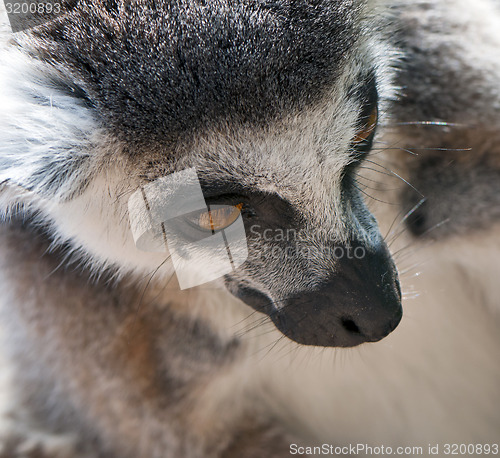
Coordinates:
218 217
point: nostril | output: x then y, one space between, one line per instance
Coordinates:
350 326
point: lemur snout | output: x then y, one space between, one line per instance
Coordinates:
360 302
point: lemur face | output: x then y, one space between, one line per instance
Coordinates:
274 104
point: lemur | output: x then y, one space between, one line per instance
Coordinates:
297 116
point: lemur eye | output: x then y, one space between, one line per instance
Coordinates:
218 217
364 133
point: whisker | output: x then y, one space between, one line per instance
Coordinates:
436 226
393 146
250 315
136 315
364 167
374 198
396 175
430 123
405 218
373 188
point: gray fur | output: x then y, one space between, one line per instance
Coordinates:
146 358
162 71
458 169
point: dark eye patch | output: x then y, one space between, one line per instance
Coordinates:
367 96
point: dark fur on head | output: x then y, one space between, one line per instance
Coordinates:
163 70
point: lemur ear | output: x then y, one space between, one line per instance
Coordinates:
46 128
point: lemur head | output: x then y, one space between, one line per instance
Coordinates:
274 104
